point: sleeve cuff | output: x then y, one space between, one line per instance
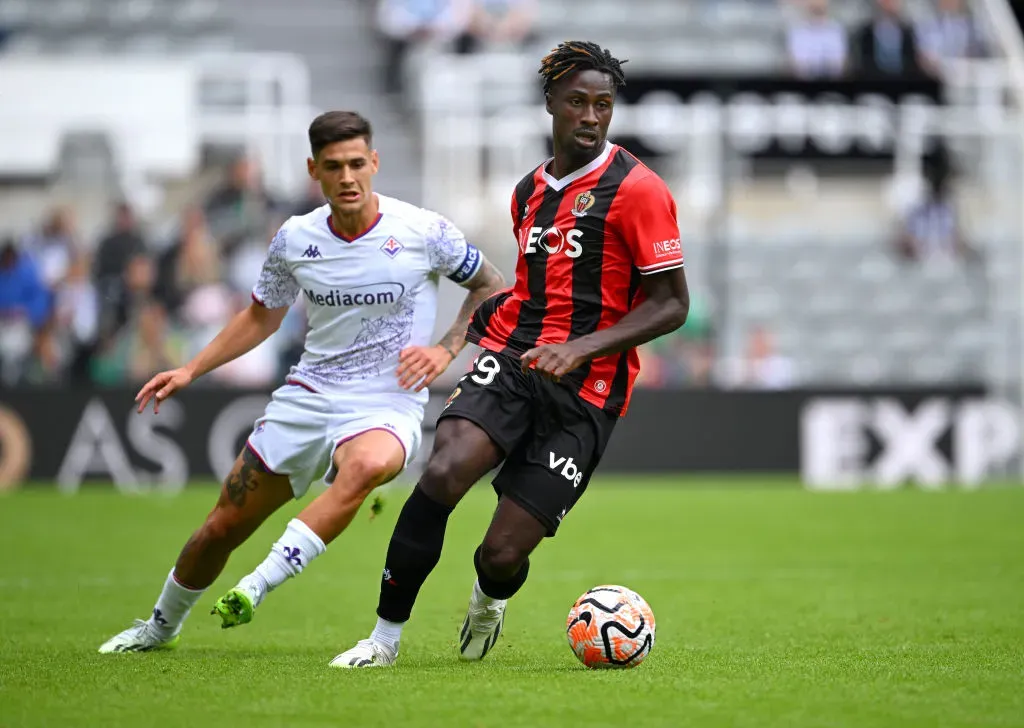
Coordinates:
659 267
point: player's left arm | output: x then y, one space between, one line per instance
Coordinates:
453 256
653 239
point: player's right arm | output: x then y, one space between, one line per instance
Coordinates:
274 293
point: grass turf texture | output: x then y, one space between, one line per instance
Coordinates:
775 607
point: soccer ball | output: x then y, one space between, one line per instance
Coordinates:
610 627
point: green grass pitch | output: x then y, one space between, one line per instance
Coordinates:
775 607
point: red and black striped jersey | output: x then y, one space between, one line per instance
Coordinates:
584 241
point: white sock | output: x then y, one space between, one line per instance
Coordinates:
387 633
174 604
288 557
481 599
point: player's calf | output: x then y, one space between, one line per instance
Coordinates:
359 465
248 496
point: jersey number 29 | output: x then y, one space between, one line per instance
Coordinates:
485 369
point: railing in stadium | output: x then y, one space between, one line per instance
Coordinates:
157 113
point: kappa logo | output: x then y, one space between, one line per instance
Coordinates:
312 252
584 201
392 247
569 470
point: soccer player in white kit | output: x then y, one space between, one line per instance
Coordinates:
351 410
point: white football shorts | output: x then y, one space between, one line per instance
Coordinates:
300 430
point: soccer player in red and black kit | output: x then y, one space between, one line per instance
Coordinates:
600 271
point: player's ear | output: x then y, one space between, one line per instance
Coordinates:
374 160
547 104
311 169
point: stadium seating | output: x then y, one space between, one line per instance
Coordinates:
115 26
839 302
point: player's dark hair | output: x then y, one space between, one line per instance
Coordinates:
338 126
579 55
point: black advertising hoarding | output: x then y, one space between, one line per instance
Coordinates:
781 118
78 435
832 439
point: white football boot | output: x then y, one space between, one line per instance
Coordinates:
483 624
142 636
366 653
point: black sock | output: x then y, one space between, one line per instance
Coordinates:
500 589
413 553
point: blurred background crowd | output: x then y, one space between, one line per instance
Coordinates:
104 282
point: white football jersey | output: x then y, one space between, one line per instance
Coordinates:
367 298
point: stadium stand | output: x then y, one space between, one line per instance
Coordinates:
809 252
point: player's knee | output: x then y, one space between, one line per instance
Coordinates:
361 473
441 478
500 558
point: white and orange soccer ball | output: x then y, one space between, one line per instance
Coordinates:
611 627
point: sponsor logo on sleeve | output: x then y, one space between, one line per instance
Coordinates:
668 248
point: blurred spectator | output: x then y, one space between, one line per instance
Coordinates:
497 22
886 45
113 253
683 358
312 198
408 23
931 230
952 34
146 342
817 45
766 367
193 261
54 246
77 320
146 345
240 207
762 366
25 310
117 247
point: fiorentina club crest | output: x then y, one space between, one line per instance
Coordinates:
392 247
584 201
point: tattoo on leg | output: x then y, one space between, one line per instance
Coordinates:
245 480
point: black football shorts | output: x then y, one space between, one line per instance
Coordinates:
552 439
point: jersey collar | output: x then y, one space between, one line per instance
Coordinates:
559 184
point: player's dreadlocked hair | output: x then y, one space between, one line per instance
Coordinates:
578 55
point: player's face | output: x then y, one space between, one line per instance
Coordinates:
581 107
345 172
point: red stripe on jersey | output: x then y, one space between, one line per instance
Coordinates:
580 245
557 322
610 380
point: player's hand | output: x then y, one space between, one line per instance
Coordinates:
162 386
419 366
554 361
